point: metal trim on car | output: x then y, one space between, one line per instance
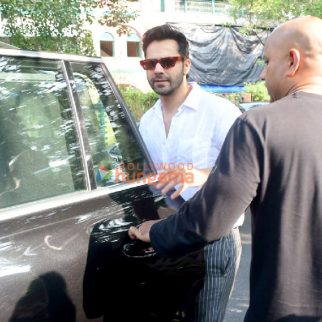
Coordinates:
76 108
65 200
49 55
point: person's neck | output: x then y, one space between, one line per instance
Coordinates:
171 103
313 86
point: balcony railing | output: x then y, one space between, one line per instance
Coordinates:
214 7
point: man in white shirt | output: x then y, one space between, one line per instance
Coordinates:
184 131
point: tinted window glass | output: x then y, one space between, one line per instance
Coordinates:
116 154
39 152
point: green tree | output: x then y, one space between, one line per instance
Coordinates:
268 13
137 101
60 25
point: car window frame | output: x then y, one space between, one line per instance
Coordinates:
129 118
91 190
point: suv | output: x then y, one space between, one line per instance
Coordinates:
248 106
73 179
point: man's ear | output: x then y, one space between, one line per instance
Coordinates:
294 62
187 66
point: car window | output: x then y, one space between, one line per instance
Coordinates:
116 155
39 151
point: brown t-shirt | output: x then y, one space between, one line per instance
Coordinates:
272 161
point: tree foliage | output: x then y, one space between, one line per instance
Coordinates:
268 13
60 25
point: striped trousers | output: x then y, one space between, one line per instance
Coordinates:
222 259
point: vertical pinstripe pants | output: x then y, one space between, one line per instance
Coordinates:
222 259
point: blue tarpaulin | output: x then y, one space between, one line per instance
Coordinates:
222 89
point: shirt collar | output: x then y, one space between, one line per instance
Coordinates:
158 108
191 101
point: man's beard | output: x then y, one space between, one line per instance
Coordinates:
166 90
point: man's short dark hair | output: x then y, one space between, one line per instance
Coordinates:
164 32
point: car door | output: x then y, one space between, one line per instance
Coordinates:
73 178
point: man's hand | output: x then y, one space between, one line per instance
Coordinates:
142 232
181 178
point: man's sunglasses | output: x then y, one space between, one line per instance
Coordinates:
166 62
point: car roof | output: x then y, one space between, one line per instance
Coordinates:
251 105
47 55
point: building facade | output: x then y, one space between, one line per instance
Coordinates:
122 53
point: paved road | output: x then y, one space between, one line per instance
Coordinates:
238 301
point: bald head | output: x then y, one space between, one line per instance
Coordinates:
294 53
303 33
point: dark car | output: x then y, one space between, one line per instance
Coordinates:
73 179
248 106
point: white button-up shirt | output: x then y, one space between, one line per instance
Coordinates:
196 134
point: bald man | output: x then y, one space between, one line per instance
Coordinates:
271 161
